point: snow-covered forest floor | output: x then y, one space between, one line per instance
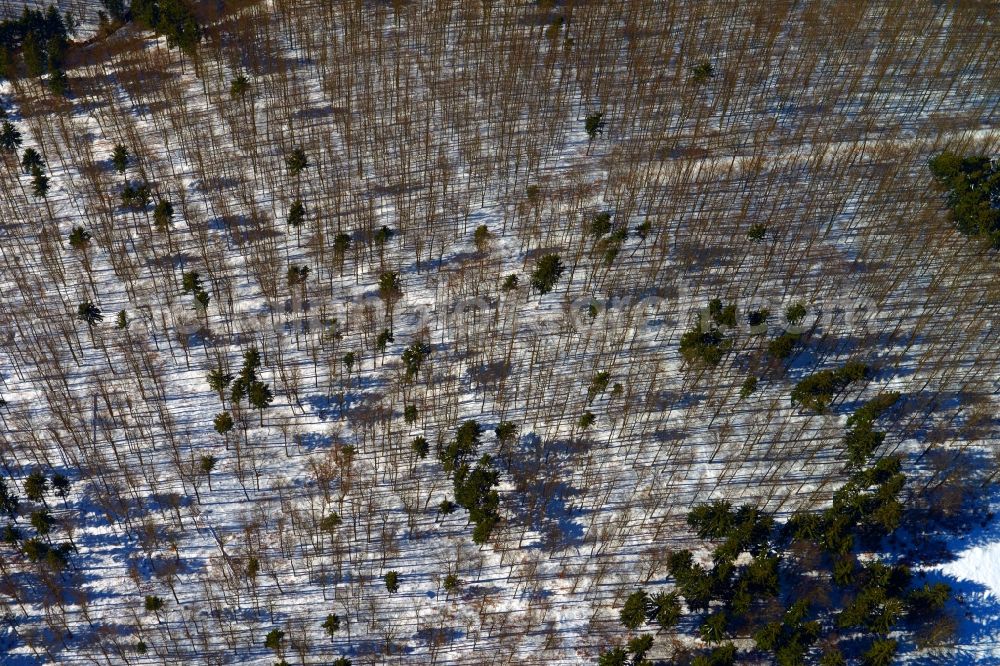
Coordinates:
430 121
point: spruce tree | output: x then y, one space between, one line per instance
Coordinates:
341 243
10 137
331 624
39 182
240 86
31 159
297 162
296 214
163 213
120 158
206 464
702 72
58 81
594 125
273 640
8 500
633 613
89 313
547 272
60 485
223 422
260 397
413 358
79 238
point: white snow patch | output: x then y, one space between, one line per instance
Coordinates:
979 564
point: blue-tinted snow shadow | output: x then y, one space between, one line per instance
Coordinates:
329 407
438 635
324 406
376 648
932 538
543 496
977 614
313 441
17 660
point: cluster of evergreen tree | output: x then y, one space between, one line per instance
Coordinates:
801 591
37 543
862 439
115 8
781 347
191 284
33 163
973 185
475 485
818 390
248 385
41 39
173 19
138 196
608 240
413 358
548 271
707 341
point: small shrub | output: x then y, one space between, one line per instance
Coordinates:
702 72
643 229
452 583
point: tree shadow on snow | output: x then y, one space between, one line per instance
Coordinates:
542 496
953 533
